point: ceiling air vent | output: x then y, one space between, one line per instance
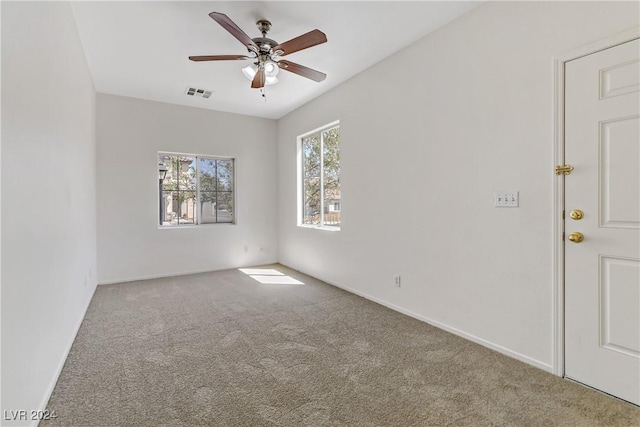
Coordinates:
201 93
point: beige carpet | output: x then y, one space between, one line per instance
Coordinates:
223 349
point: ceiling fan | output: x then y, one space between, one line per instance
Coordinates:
266 52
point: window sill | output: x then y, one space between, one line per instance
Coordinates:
179 227
319 227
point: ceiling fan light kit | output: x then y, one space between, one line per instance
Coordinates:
250 72
267 52
271 69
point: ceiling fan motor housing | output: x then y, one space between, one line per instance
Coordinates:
265 44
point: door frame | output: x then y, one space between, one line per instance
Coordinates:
558 185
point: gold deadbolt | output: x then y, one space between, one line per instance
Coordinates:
576 214
576 237
563 169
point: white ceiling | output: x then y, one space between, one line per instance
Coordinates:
140 49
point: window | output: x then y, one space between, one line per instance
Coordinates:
319 166
195 189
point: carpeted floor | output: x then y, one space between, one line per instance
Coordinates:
223 349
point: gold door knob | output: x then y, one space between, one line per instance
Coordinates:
576 237
576 214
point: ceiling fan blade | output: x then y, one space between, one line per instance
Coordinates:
312 38
302 70
258 80
218 57
235 31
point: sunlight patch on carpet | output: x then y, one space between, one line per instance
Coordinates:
261 271
270 276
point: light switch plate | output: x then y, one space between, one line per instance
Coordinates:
506 199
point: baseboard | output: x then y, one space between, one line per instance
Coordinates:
54 380
178 274
156 276
500 349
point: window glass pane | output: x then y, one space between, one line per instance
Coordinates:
208 207
169 206
178 207
225 175
224 207
311 179
170 209
207 174
187 201
208 187
186 173
170 181
331 176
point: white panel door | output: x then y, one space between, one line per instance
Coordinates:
602 272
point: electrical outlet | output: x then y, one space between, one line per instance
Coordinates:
397 281
506 199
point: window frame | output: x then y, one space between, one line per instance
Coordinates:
197 158
300 180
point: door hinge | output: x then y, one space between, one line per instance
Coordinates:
563 236
564 169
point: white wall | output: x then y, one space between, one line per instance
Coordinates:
130 133
429 134
48 189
